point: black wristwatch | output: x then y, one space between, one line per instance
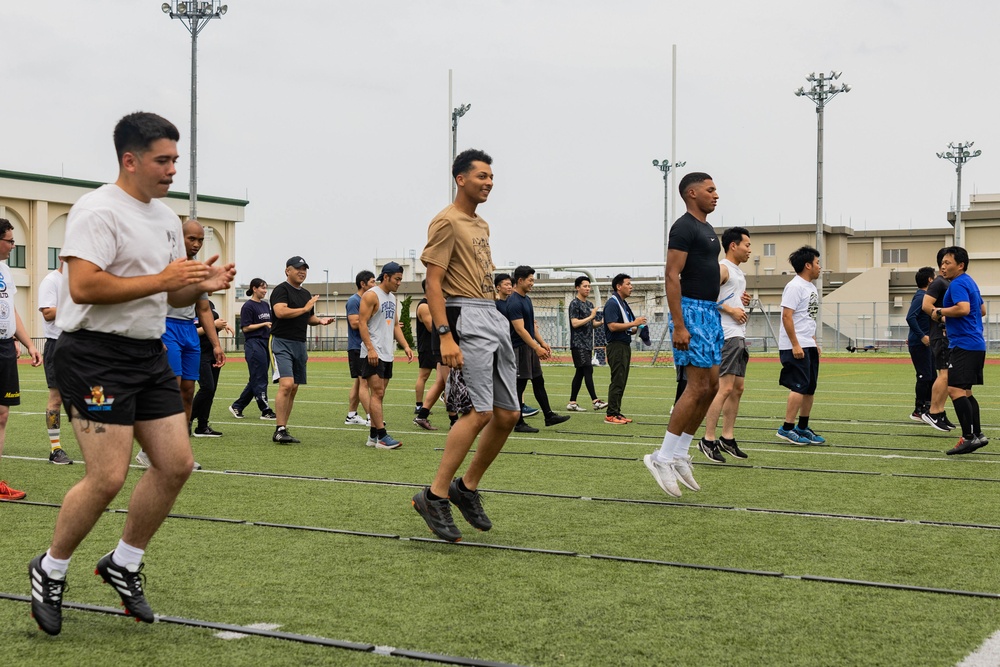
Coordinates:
443 329
938 311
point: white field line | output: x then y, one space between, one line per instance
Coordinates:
987 655
239 635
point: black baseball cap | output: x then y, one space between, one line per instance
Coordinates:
296 263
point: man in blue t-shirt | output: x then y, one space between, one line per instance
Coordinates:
365 280
962 310
529 347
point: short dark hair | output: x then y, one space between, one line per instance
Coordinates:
579 281
521 273
733 235
463 161
500 277
136 131
940 255
804 255
691 179
363 277
5 226
423 285
960 255
618 280
924 276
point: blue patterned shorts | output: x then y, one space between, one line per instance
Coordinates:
705 325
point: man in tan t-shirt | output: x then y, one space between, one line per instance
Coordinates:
483 383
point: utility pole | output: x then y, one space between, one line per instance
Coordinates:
456 113
822 90
959 155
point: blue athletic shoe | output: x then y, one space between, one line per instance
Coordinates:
810 435
793 437
387 442
528 411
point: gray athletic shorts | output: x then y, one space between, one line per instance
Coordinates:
734 357
489 370
288 358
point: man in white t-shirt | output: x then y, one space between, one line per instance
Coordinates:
798 348
125 262
48 301
733 300
11 328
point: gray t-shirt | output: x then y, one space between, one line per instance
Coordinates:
127 238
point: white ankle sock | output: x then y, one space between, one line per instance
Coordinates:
54 567
683 445
666 452
127 556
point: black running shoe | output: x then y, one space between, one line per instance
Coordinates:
731 448
128 584
710 448
437 514
470 504
60 457
522 427
207 431
283 437
963 446
46 597
554 419
938 421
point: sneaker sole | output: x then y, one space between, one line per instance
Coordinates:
208 435
797 443
233 412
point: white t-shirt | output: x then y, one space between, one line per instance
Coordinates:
731 294
8 320
127 238
48 297
802 297
381 326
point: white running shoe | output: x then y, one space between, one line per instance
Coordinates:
600 405
574 407
682 466
356 419
664 474
142 459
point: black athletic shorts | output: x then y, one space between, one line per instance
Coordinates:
965 368
115 380
49 362
582 357
799 375
425 359
354 362
383 369
8 373
529 366
941 352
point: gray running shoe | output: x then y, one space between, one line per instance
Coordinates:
60 457
437 515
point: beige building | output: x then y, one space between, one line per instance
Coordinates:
38 205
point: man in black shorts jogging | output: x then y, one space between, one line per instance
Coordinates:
962 311
125 261
935 415
365 280
475 344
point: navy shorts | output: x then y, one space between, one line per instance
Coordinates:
799 375
115 380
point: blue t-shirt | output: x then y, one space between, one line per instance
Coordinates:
353 337
520 308
256 312
965 332
613 313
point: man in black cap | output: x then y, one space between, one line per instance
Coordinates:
292 311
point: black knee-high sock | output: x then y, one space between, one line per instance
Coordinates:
963 408
542 396
977 426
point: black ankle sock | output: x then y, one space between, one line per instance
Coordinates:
372 432
431 496
462 486
803 422
382 432
423 412
788 426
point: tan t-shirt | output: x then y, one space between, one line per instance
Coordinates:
460 244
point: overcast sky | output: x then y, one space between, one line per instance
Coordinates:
331 116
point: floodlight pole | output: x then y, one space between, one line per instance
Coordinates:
959 155
822 90
195 16
456 113
665 166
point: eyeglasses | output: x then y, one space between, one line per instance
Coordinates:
10 241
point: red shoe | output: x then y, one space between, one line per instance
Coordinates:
627 420
614 419
7 493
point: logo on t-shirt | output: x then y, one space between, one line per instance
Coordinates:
813 309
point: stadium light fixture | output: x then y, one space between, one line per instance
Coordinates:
959 155
195 16
665 167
